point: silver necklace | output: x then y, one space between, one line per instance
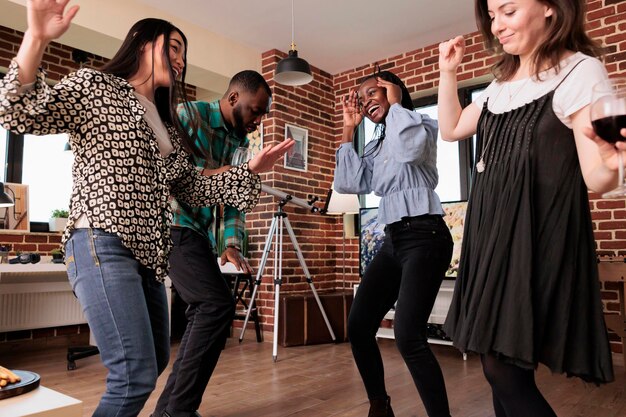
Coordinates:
480 165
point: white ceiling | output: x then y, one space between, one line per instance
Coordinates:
333 35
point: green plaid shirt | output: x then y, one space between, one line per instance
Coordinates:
214 139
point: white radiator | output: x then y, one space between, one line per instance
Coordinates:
35 296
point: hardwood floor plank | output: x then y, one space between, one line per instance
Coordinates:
322 381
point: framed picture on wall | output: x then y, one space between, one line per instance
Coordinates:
15 218
296 157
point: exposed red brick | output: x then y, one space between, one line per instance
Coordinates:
597 14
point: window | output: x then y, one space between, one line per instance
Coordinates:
474 94
448 166
42 163
455 160
449 187
369 200
47 169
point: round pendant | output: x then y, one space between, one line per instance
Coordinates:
480 166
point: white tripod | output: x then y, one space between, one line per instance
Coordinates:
276 231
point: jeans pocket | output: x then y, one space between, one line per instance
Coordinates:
70 262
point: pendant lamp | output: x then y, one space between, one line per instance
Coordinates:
293 70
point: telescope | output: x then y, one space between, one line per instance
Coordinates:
280 222
288 198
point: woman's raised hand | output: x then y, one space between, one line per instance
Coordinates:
393 91
47 19
352 114
264 160
451 53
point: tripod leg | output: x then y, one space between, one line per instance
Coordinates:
308 278
276 309
278 280
259 274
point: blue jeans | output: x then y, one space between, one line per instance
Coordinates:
126 309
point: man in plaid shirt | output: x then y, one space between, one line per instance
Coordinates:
219 128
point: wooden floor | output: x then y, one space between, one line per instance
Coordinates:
323 381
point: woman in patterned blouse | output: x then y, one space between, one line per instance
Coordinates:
129 157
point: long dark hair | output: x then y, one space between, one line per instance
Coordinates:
126 62
566 31
406 102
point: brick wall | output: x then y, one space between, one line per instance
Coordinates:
419 70
310 107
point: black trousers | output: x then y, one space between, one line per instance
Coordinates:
196 275
408 268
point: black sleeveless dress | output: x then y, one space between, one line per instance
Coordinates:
528 288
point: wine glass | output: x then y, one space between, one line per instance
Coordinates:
241 156
608 117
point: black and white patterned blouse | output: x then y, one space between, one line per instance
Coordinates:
121 183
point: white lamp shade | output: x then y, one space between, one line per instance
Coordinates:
342 203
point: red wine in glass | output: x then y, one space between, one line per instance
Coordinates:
608 128
608 118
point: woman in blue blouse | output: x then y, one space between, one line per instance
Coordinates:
400 167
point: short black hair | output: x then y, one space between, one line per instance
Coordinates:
250 81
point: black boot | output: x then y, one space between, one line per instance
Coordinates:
380 407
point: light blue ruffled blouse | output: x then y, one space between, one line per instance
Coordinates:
402 171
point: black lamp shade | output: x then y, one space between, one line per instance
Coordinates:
5 199
293 70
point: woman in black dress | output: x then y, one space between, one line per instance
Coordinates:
528 290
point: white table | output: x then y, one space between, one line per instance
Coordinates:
41 402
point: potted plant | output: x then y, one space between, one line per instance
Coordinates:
57 256
58 220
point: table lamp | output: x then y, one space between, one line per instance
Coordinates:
345 205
